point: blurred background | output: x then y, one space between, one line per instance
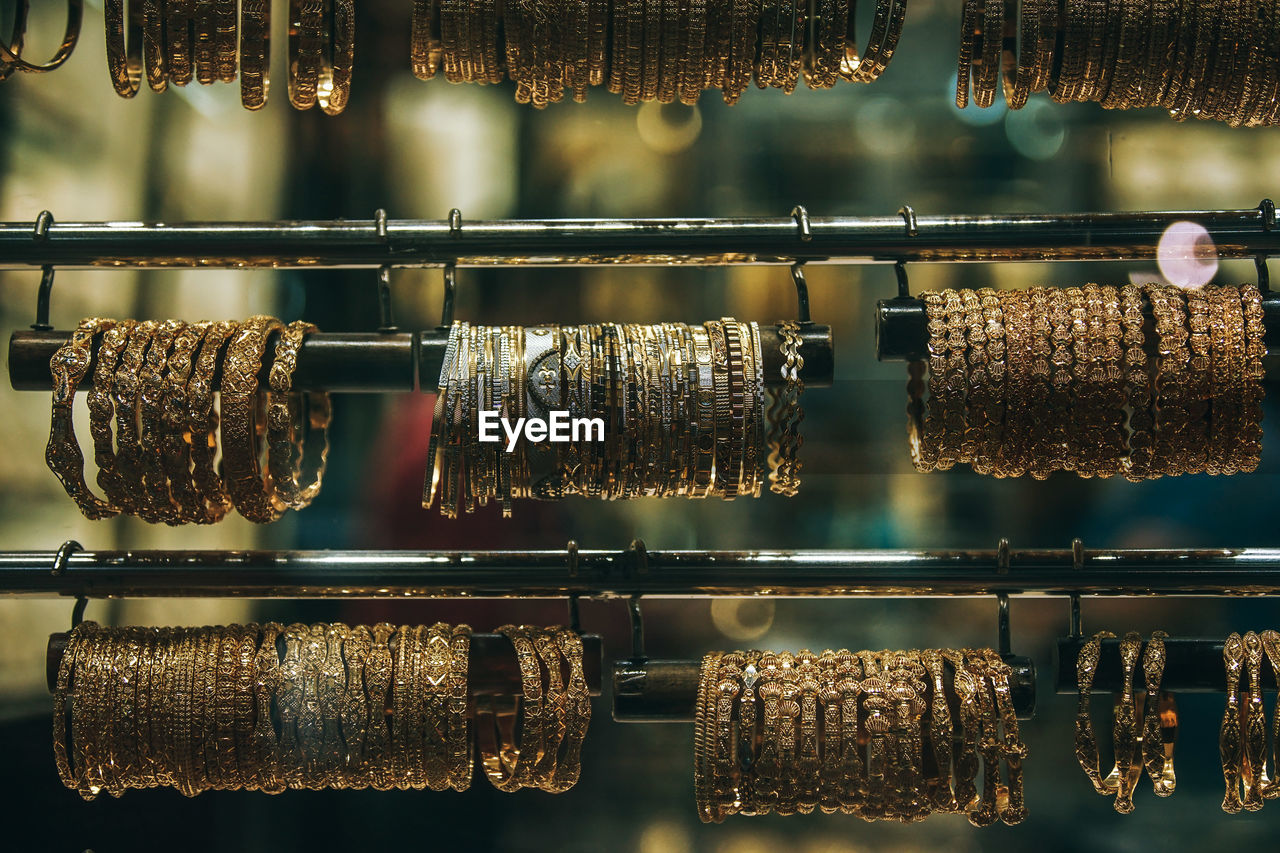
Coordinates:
70 145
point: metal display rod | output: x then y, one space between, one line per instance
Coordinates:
637 572
902 327
578 242
388 362
1191 666
666 691
492 669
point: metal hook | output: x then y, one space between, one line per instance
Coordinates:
386 318
63 556
77 612
637 628
1267 208
801 216
1077 564
1002 557
41 234
455 223
908 215
1264 275
1005 645
640 556
571 557
380 224
575 617
904 286
802 292
450 291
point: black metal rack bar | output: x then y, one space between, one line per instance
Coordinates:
492 670
1192 666
385 362
902 333
612 574
666 691
781 240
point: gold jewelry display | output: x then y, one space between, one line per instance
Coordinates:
1199 59
11 52
155 382
1077 379
782 733
250 707
682 410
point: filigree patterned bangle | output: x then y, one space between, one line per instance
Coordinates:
157 504
102 413
1086 742
266 688
242 471
1230 735
1137 383
1254 771
1125 734
988 810
1153 747
69 365
297 445
1012 748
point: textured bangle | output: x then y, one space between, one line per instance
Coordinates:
1012 748
1125 735
1159 769
1230 735
1249 441
295 461
1137 384
1086 743
69 365
1255 727
203 418
242 472
157 504
334 81
988 743
124 46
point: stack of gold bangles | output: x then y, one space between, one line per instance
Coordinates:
269 708
1208 60
1077 379
156 382
881 735
659 411
209 41
650 51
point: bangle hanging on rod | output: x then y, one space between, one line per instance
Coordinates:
11 53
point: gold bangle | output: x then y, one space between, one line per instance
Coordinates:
158 504
886 28
1271 646
879 721
379 692
786 733
424 45
1249 442
69 366
952 398
991 446
987 811
1255 727
1168 305
1125 733
1199 371
1086 743
242 473
724 784
978 390
768 769
307 42
1230 735
1014 811
703 739
1137 382
1023 383
808 753
831 740
154 60
255 53
969 28
297 445
63 704
460 761
941 733
102 414
203 420
1153 748
124 46
334 82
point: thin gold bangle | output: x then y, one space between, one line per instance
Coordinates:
124 45
334 89
1159 769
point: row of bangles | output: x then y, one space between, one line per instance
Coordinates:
1146 720
274 707
1207 60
